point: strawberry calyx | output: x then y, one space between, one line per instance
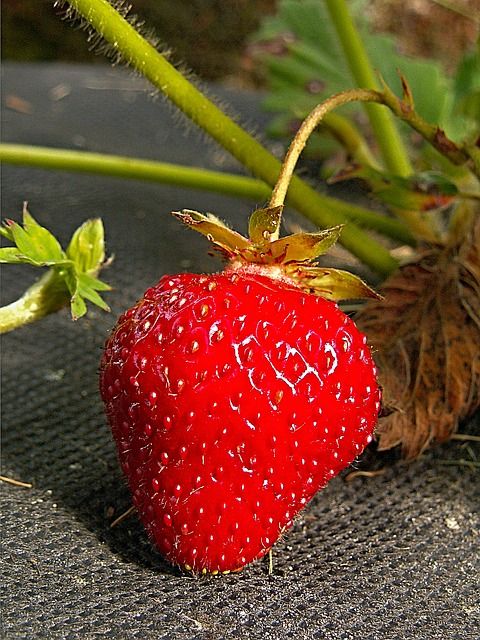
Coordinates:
290 258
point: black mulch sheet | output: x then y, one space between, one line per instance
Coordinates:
395 556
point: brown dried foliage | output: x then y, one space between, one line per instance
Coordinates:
426 340
421 26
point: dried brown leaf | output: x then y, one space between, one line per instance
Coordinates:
426 339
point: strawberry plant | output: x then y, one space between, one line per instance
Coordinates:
234 397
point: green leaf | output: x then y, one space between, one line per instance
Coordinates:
21 239
87 252
81 287
77 304
78 307
94 283
6 231
11 255
466 100
87 246
34 244
467 77
310 66
85 290
264 223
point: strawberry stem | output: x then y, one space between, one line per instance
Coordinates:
304 132
137 52
416 224
135 168
464 154
192 177
47 295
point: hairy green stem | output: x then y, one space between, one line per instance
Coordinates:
136 168
386 133
45 296
148 61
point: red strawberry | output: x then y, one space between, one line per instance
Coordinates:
234 397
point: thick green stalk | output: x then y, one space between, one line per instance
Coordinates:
386 133
45 296
192 177
148 61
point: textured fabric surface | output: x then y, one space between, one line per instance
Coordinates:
395 556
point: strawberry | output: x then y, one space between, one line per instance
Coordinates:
234 397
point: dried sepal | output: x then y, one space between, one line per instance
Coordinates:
333 284
300 247
214 229
295 254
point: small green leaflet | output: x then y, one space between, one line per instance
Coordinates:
84 287
88 287
87 247
76 268
34 244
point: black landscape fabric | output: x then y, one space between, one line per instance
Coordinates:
394 556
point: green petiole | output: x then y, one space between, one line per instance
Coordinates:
191 177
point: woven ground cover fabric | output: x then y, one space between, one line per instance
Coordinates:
395 556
